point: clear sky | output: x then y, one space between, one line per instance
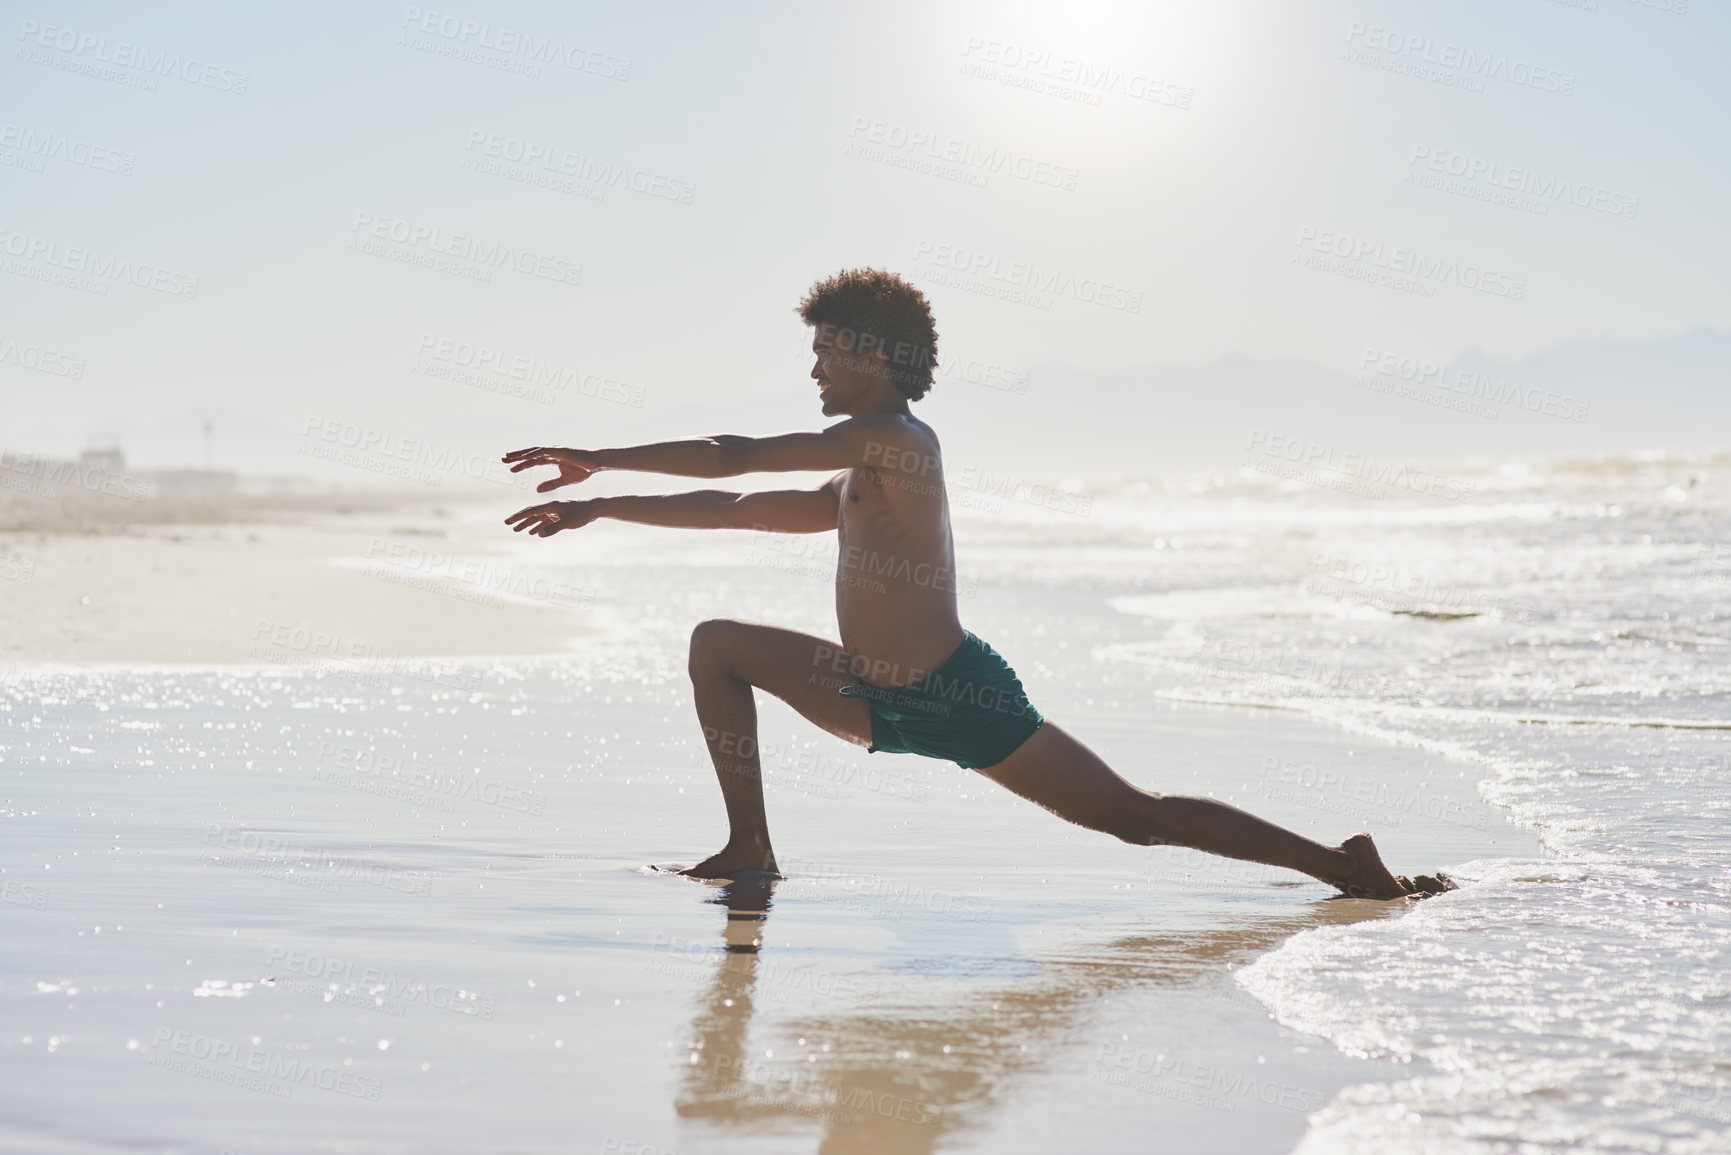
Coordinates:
1107 203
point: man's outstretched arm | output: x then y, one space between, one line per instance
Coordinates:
856 441
779 511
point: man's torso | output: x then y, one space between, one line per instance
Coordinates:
896 586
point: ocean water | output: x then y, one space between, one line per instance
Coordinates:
403 905
1578 1002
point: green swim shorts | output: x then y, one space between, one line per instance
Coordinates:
971 710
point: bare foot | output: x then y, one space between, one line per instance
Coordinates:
1438 883
733 860
1369 877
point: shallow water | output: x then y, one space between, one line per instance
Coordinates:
1579 1003
437 896
359 909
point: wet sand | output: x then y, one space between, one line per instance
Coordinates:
385 906
307 913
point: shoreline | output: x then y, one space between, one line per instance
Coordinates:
343 580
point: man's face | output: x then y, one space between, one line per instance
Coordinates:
845 380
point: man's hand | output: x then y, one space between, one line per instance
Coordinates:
547 520
574 464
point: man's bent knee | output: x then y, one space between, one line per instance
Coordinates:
709 646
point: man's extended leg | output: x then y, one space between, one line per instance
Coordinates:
1056 771
729 658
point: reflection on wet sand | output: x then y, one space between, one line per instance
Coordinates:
897 1082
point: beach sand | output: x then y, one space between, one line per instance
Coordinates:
279 906
341 576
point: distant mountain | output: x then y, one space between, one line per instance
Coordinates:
1577 397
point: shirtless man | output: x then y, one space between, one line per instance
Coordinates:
905 676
